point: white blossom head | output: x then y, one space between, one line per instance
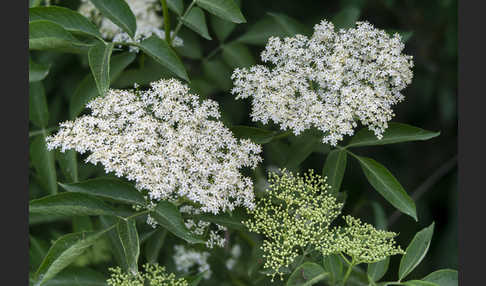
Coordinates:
330 81
147 14
167 141
186 260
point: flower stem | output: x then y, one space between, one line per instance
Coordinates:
179 23
348 272
165 12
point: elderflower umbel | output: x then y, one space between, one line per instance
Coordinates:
185 259
294 216
361 241
147 14
329 81
168 142
154 275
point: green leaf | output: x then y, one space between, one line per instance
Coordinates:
395 133
99 62
77 276
154 245
44 164
387 185
300 150
307 274
127 232
119 13
218 73
232 221
237 55
36 218
221 28
443 277
334 265
378 269
334 169
192 48
194 280
419 283
109 188
69 164
37 72
160 51
150 71
87 90
46 35
115 243
38 112
63 252
176 6
225 9
274 24
71 204
416 251
169 217
257 135
346 18
196 21
70 20
37 251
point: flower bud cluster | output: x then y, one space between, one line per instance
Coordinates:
330 81
154 275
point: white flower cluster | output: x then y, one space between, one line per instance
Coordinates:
168 142
148 16
185 259
328 81
201 227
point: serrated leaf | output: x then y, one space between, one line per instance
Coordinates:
109 188
70 20
38 111
99 62
395 133
419 283
160 51
77 276
43 161
70 204
150 72
119 13
115 243
300 150
63 252
46 35
169 217
127 232
346 18
87 90
221 28
307 274
37 72
154 245
237 55
378 269
225 9
416 251
443 277
192 48
176 6
290 25
334 169
387 185
69 164
334 266
196 21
